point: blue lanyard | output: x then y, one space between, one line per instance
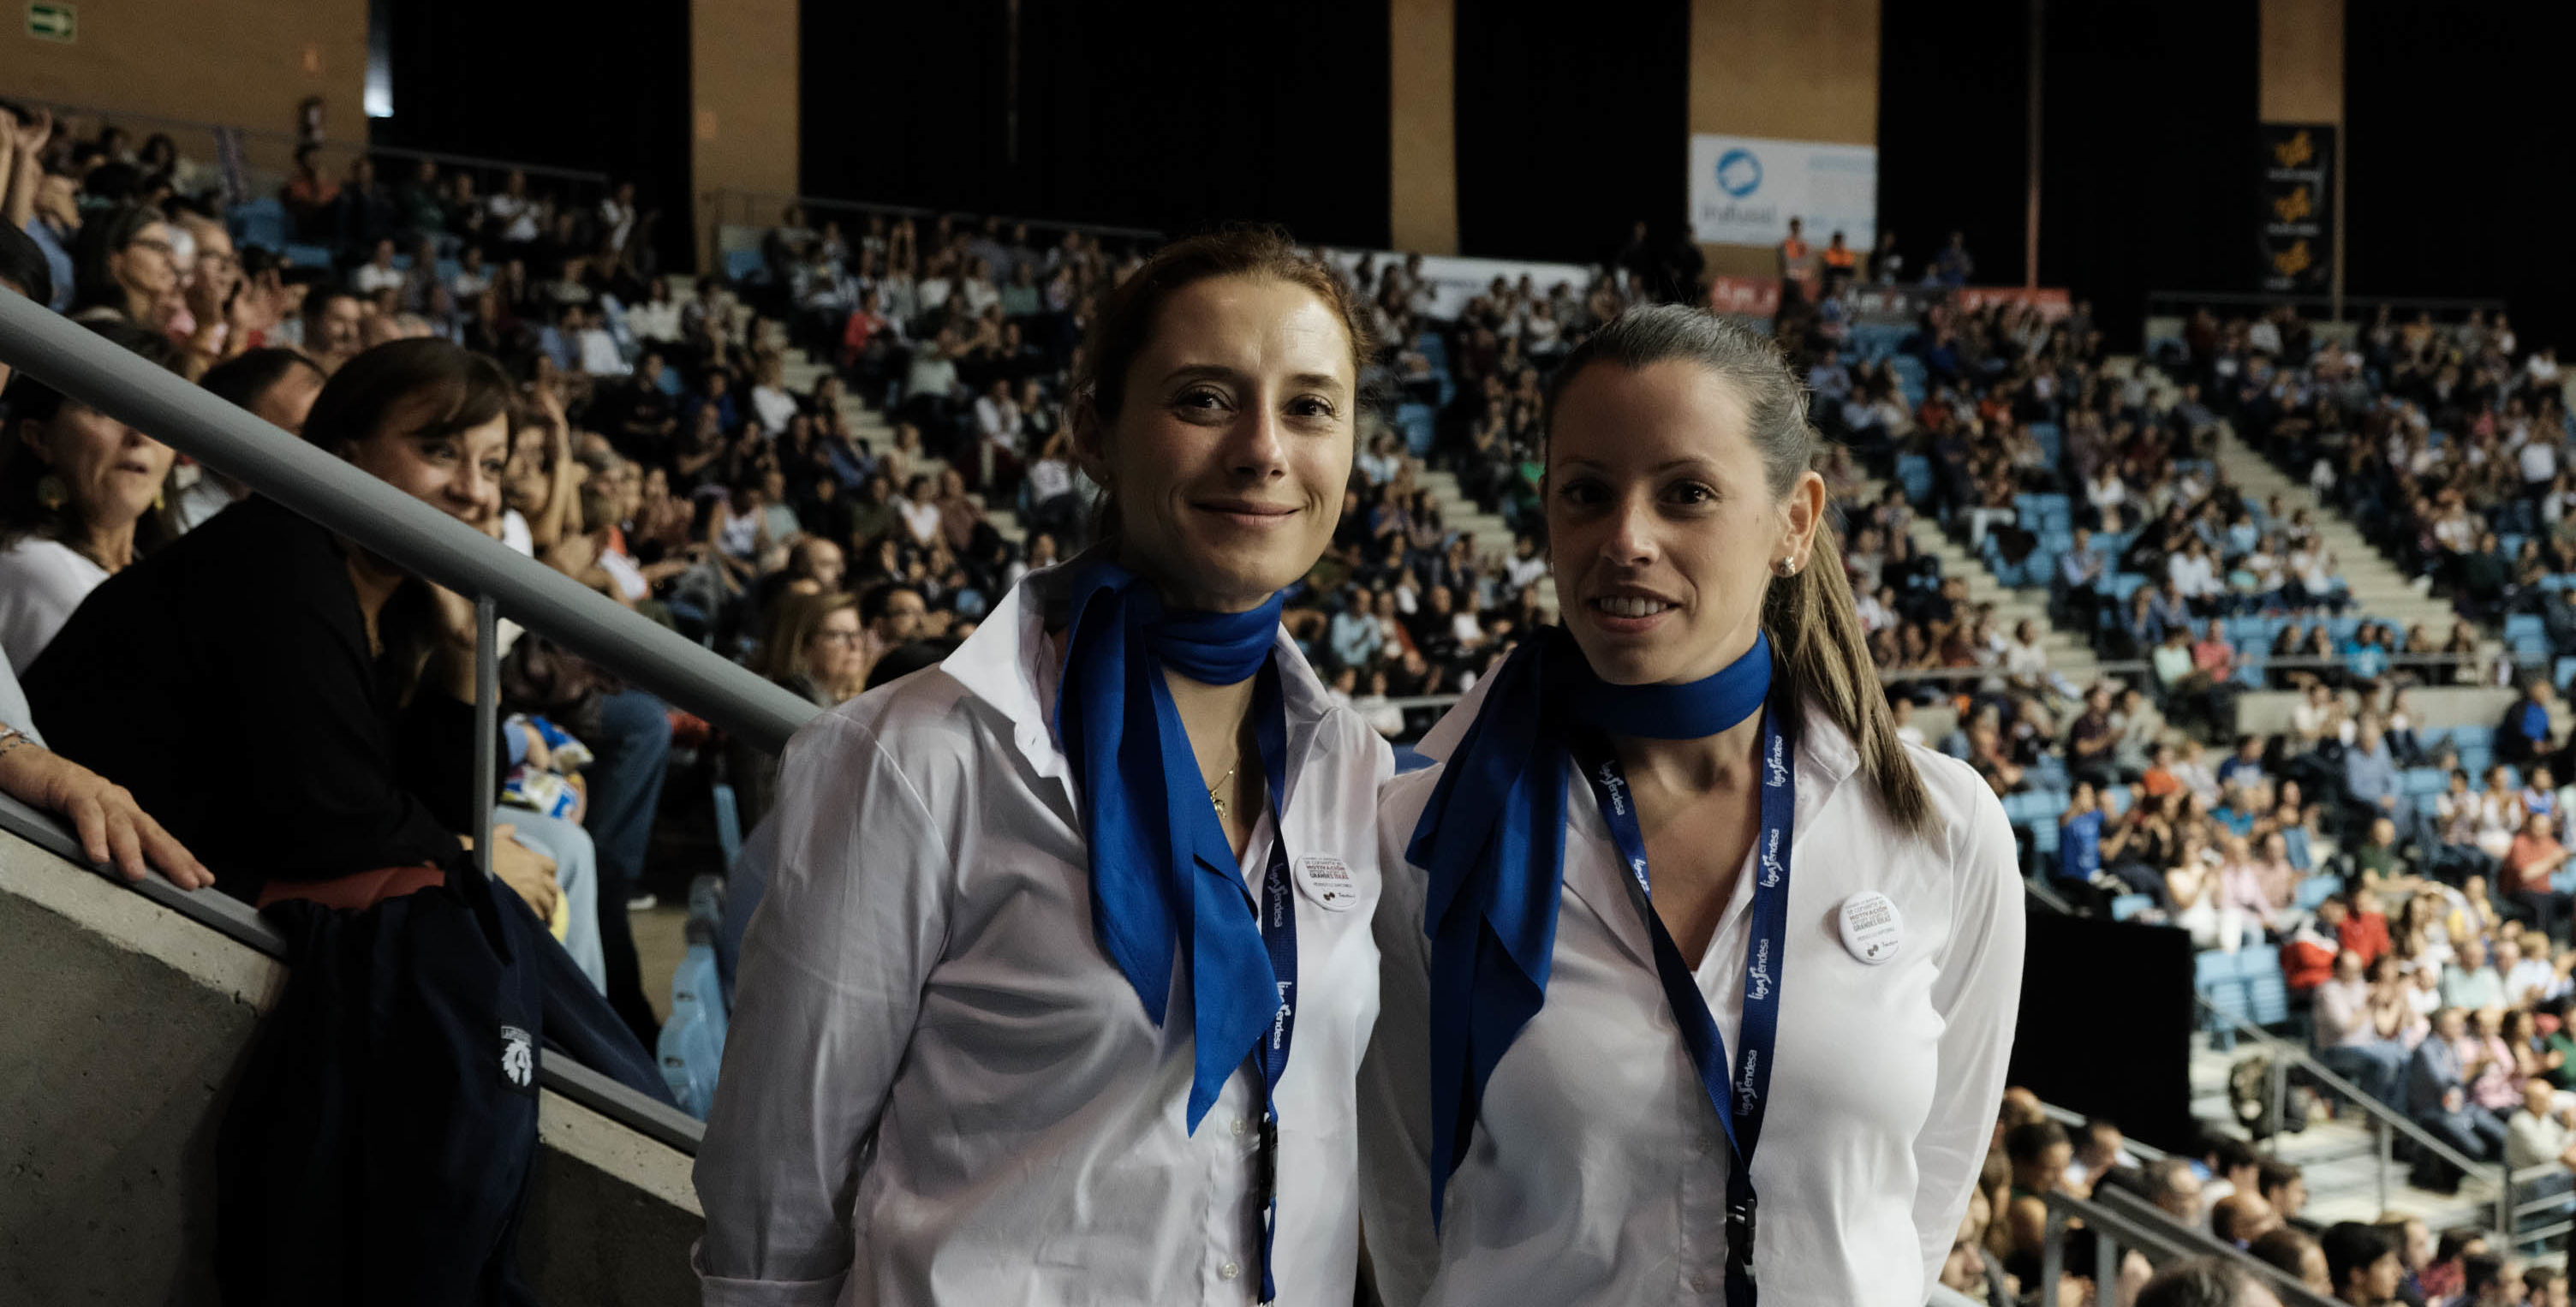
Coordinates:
1740 1094
1277 912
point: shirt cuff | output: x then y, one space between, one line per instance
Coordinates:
719 1291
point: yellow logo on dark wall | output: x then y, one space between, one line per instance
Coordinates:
2296 152
2294 206
2294 260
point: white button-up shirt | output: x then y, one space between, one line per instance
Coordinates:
938 1088
1597 1170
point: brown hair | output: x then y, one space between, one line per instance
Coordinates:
799 616
1124 318
1810 617
354 402
23 511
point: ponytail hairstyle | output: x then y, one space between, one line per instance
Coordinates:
1814 626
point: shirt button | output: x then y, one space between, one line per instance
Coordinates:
1705 1146
1228 1271
1241 1125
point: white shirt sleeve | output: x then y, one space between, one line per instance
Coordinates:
1395 1114
831 979
1978 996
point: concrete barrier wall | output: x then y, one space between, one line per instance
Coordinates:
122 1025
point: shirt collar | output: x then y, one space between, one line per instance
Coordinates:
1010 664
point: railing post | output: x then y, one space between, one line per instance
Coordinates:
2386 1147
487 727
2106 1269
2280 1087
2052 1256
2504 1202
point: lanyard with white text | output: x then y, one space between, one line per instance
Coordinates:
1277 912
1740 1096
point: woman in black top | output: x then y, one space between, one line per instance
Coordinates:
293 707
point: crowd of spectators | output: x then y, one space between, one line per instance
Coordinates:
2224 1191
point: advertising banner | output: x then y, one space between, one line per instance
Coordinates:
1759 297
1745 189
2298 232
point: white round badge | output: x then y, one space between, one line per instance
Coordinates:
1327 880
1871 927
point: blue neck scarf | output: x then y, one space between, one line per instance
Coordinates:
1163 874
1492 839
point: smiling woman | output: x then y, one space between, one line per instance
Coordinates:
1037 908
1679 826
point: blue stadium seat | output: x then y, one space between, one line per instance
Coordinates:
2130 905
2519 625
2267 991
2215 977
2317 889
2124 584
260 222
2424 782
2117 800
740 264
728 823
308 256
695 982
1914 472
2465 738
2559 672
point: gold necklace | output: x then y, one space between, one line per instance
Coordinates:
1213 796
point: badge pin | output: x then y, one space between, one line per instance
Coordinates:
1872 929
1328 881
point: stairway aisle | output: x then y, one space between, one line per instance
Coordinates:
2380 590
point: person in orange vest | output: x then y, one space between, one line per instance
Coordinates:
1798 260
1842 262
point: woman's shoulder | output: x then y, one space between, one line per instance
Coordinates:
1963 804
39 561
922 725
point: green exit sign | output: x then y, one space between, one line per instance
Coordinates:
51 20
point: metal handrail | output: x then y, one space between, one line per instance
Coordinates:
2118 1228
122 118
715 201
2284 1054
393 525
2065 1117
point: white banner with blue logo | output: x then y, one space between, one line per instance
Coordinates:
1745 189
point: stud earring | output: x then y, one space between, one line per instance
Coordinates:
1785 567
51 493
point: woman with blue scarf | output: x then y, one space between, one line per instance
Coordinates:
1059 991
1700 984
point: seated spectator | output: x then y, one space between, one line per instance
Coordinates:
127 270
81 499
2294 1252
2174 1188
2362 1263
2525 735
349 756
2471 984
2438 1098
276 385
2534 858
2540 1131
2240 1218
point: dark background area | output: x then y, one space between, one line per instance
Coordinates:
1141 113
569 83
2117 1044
2458 165
1960 166
1569 130
2149 172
